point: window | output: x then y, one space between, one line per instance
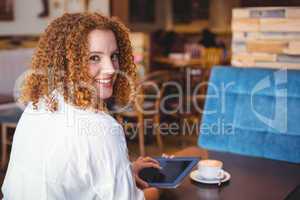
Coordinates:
185 11
142 11
6 10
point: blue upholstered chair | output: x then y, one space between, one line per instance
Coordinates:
254 112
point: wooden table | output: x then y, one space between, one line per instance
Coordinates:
251 178
178 63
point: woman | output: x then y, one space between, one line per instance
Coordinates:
66 145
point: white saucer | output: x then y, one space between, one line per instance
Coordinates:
194 176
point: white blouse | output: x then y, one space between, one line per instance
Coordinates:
70 154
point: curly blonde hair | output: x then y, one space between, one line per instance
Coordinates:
60 62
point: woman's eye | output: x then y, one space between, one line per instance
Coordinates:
115 57
95 58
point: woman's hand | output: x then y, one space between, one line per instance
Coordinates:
138 165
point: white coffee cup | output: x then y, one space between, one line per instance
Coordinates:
210 169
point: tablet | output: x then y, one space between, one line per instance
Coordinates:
172 173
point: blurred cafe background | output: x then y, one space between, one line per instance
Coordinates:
188 49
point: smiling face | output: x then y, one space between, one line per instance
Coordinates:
103 61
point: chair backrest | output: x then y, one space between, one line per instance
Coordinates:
10 113
150 88
253 112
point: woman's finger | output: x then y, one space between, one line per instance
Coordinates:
167 156
150 164
149 159
140 158
141 183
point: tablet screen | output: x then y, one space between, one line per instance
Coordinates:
171 170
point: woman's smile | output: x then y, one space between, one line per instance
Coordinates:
105 82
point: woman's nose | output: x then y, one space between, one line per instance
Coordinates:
108 67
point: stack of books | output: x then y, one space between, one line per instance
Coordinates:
266 37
